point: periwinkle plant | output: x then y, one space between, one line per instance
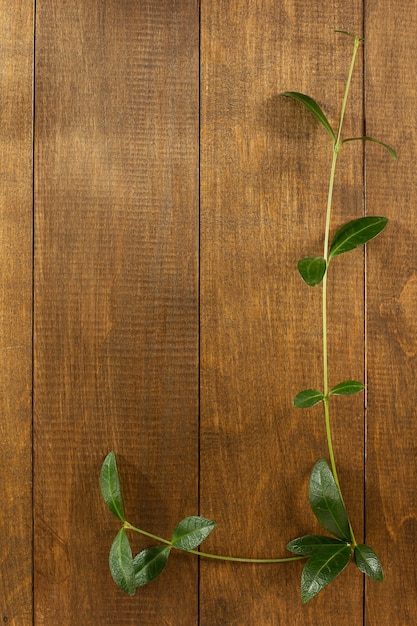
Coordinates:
326 556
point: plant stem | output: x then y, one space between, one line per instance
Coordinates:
237 559
336 148
219 557
129 526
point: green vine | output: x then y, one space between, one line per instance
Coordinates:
326 556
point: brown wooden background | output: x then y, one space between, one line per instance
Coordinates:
156 196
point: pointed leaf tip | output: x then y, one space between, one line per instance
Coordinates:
313 107
346 32
387 147
110 486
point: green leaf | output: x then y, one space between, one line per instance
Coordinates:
310 544
381 143
368 562
326 501
191 531
347 387
149 563
356 233
110 486
345 32
121 563
312 269
307 398
313 107
323 567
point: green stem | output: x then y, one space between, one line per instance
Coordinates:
237 559
219 557
129 526
357 41
336 148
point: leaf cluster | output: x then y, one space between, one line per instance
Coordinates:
130 572
328 556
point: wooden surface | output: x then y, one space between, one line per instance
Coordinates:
174 191
116 301
391 502
16 53
260 326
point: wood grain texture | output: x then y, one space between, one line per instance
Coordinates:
116 325
117 305
392 303
16 79
264 174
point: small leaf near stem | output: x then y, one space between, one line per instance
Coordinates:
313 107
149 564
191 531
347 387
312 269
391 150
307 398
368 562
345 32
323 567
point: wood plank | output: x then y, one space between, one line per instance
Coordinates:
116 317
392 303
264 175
16 78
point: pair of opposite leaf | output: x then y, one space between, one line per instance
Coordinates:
328 556
356 232
130 572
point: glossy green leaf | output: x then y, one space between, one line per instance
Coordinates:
312 269
326 501
121 563
323 567
110 486
368 562
149 563
356 233
309 544
191 531
307 398
313 107
391 150
347 388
